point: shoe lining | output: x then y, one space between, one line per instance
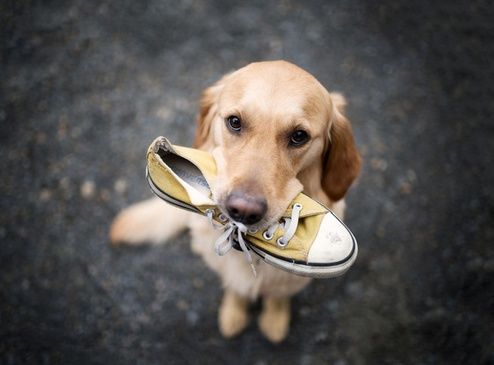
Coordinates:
186 170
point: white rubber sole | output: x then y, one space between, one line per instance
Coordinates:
312 271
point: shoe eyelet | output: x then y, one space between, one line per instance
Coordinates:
252 230
266 236
297 205
280 243
223 218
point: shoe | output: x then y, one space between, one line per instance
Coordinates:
309 240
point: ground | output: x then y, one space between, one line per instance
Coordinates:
86 87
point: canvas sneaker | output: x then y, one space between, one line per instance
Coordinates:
308 240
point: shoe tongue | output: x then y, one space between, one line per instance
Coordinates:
309 206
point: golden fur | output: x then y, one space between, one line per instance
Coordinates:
272 99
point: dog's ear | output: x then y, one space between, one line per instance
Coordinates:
207 112
341 161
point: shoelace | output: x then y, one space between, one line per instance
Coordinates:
233 229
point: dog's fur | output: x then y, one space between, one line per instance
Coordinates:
272 99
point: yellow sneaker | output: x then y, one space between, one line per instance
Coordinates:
309 239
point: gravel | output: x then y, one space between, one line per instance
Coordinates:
86 87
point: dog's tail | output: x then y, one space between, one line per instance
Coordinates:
150 221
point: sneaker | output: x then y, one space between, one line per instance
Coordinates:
309 239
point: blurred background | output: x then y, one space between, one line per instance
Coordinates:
86 86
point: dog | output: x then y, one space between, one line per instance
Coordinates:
273 130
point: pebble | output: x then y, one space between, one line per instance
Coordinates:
405 187
88 188
321 336
182 305
304 311
164 113
120 186
62 127
45 195
355 289
198 283
379 164
160 284
156 306
105 195
143 318
41 138
192 317
333 305
306 359
65 183
25 284
380 232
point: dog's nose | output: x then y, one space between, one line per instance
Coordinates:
245 208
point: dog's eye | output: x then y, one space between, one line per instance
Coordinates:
298 138
234 123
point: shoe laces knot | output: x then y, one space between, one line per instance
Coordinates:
235 231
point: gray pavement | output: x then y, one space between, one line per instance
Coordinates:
85 86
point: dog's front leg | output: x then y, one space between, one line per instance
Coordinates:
274 321
233 315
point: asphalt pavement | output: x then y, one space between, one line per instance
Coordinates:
86 86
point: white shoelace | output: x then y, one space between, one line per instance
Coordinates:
232 229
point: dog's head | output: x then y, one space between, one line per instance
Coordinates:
275 130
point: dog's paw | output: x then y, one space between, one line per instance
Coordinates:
274 321
232 321
233 316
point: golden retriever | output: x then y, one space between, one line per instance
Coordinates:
273 129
